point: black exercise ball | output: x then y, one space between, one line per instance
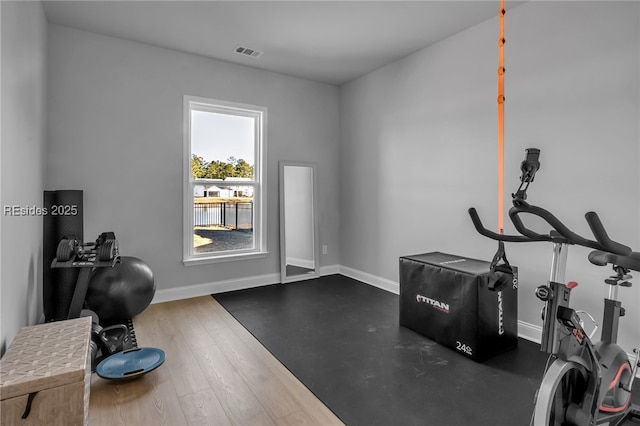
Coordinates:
121 292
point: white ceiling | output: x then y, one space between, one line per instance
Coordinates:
326 41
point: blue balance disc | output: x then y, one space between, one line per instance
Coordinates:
130 364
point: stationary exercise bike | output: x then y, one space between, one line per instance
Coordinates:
584 383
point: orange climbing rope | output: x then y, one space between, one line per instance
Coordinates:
501 70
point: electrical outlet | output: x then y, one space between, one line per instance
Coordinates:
324 249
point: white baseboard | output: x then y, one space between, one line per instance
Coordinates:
530 332
205 289
329 270
382 283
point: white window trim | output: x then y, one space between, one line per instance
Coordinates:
189 258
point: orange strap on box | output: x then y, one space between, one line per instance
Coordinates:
501 71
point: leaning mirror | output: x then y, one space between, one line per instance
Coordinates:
299 257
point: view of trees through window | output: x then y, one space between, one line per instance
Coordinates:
223 179
202 169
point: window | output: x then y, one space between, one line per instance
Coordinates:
224 176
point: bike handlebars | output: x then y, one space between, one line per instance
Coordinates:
562 233
603 241
495 236
601 236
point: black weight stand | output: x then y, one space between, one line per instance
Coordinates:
82 284
86 257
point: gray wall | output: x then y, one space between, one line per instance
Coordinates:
22 155
115 131
418 144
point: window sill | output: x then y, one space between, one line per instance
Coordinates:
223 258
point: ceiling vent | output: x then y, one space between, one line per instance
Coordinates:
247 52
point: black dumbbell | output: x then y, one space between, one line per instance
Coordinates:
104 237
108 250
65 250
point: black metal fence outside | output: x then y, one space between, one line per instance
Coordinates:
234 215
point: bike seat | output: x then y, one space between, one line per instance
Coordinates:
602 258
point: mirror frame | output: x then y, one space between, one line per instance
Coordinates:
314 211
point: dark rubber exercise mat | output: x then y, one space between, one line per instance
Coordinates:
341 338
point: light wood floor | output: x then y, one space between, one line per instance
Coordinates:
215 373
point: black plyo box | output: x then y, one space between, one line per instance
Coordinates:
448 299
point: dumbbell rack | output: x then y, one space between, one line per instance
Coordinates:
86 265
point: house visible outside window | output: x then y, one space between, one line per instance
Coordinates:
224 181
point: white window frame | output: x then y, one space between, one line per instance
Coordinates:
259 200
